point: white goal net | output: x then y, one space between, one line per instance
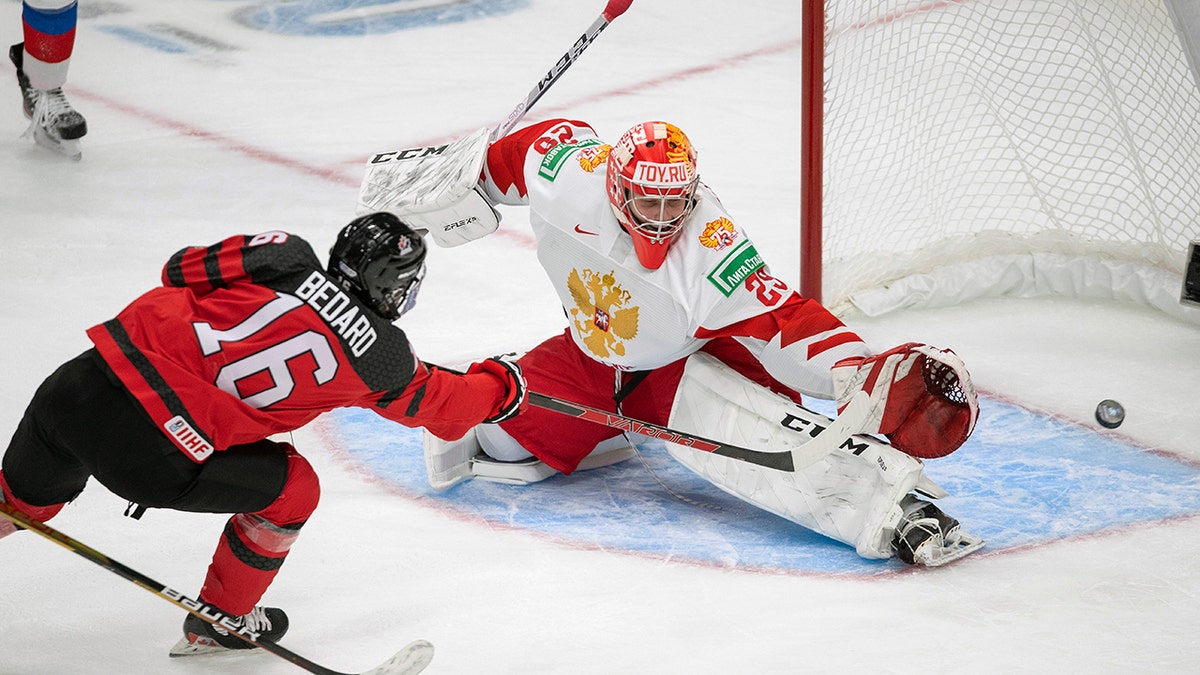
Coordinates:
980 147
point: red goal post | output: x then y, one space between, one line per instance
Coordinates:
954 149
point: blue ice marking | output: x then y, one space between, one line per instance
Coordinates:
1021 479
144 39
334 18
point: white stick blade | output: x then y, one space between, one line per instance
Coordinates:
408 661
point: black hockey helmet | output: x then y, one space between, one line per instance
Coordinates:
381 261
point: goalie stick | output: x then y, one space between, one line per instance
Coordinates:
612 10
825 440
408 661
434 188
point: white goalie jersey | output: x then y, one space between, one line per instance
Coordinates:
714 287
714 282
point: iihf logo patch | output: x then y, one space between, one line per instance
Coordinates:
188 439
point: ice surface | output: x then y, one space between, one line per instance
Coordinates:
211 117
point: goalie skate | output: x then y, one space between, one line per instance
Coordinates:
927 536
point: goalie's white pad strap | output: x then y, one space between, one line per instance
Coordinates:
851 494
448 463
530 470
533 470
433 188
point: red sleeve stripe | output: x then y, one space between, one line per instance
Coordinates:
194 268
807 318
763 327
795 320
837 339
229 260
206 269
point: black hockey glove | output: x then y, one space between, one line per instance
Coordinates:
505 367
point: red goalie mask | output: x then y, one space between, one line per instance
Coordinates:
652 187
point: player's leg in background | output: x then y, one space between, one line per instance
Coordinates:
42 62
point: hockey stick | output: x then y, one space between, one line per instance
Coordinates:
825 440
434 189
612 10
408 661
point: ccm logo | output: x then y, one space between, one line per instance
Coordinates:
411 153
811 428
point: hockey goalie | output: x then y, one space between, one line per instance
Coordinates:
673 317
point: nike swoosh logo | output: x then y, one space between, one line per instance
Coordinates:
580 230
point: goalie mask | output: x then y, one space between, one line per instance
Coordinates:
652 187
381 261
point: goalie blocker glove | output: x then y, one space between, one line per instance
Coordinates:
923 399
506 368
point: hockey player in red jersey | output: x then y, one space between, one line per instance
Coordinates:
247 338
666 295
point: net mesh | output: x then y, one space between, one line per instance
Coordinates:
958 129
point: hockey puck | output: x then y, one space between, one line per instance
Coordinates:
1110 414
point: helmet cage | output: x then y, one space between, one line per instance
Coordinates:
656 212
395 284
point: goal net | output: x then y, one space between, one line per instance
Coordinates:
982 147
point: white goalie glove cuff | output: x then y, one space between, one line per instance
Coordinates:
468 220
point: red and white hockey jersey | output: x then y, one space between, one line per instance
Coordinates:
714 282
250 337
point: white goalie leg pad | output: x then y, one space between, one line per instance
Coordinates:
448 463
435 189
852 495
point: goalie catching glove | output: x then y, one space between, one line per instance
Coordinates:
504 367
922 397
435 189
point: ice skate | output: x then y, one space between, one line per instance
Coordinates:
201 637
927 536
53 123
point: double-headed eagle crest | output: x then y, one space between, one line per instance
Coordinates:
600 315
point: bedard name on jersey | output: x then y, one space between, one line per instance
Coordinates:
338 311
250 337
177 404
